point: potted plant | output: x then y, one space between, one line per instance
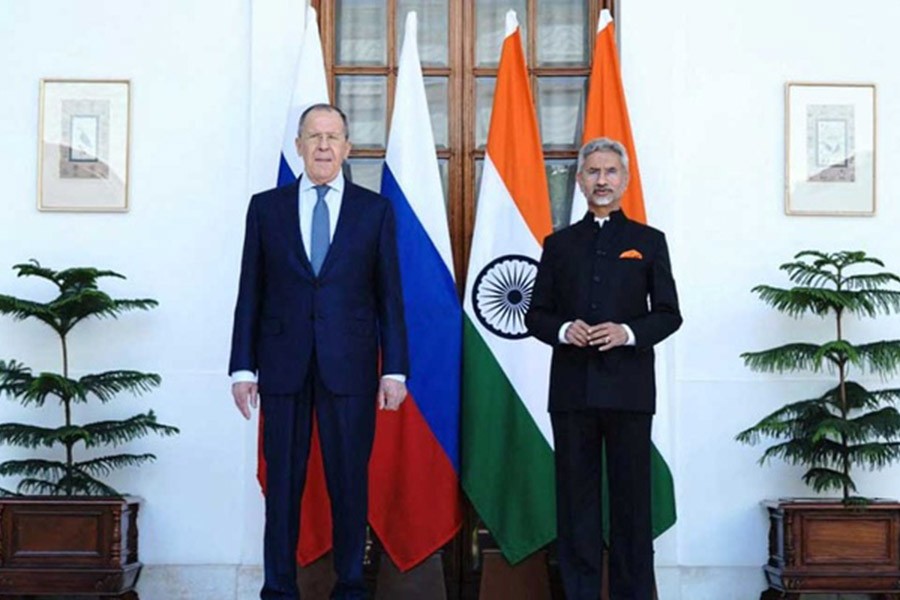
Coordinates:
64 529
851 544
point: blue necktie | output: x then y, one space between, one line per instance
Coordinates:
321 230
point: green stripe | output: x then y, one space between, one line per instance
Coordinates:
662 493
507 465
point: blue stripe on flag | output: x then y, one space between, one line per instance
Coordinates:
433 322
285 175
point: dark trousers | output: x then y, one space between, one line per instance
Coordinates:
579 438
346 431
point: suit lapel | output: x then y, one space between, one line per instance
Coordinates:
290 215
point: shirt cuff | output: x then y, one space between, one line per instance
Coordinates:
395 376
562 332
630 341
243 377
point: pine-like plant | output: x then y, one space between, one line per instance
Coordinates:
848 425
79 298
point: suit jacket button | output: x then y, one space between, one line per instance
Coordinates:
596 278
593 306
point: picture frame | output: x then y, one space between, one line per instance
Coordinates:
830 149
83 142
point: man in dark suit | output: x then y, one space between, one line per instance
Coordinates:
603 296
319 299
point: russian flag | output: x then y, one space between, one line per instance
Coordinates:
414 496
310 88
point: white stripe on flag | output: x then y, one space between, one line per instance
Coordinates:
501 230
310 87
410 151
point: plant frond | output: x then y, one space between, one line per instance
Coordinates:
15 378
67 279
30 436
106 385
870 281
859 398
31 467
874 455
51 384
837 352
118 432
77 278
881 358
72 308
792 302
825 480
883 423
105 465
803 273
802 451
39 487
871 303
34 269
786 358
20 310
791 420
5 493
80 483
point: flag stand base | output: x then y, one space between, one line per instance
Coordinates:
501 580
425 580
316 579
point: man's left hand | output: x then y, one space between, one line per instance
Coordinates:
391 394
607 336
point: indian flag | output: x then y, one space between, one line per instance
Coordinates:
507 442
606 115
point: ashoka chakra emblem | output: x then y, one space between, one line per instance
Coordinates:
502 294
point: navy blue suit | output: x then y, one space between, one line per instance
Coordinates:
620 273
315 342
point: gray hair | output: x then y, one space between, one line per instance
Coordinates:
328 108
602 144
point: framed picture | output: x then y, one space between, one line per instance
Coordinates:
830 149
83 145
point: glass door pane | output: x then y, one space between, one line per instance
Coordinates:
360 27
364 100
484 100
561 110
437 93
561 181
433 16
563 33
490 28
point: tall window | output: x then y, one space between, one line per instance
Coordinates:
459 45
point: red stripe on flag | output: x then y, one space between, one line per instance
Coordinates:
315 516
414 496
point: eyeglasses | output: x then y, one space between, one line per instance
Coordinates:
314 139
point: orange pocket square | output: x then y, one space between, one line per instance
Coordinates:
631 254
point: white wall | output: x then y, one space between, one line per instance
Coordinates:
210 83
705 82
188 63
